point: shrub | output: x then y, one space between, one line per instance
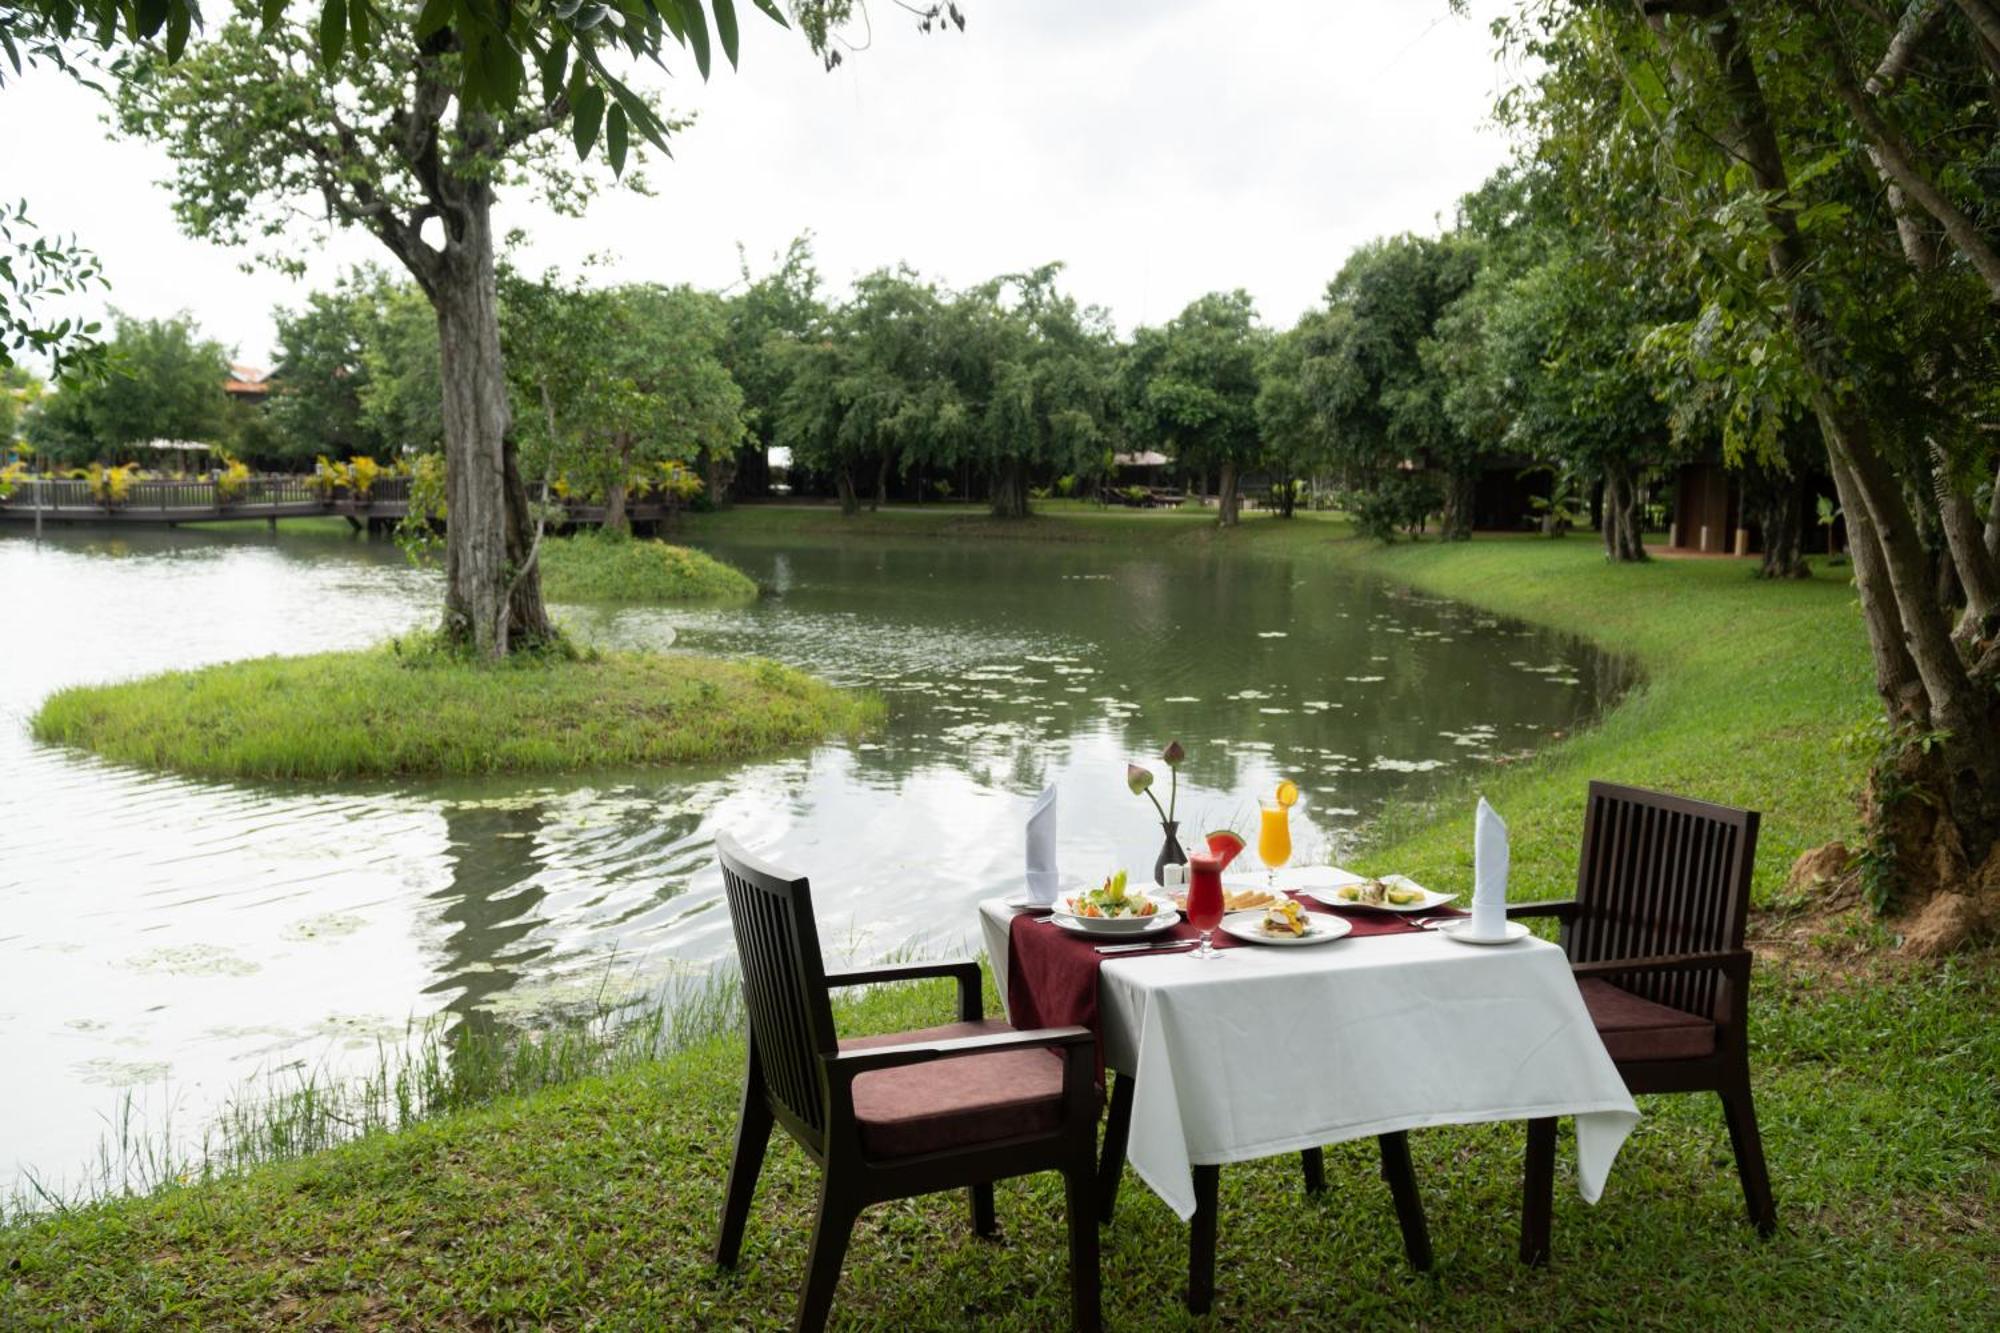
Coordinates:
232 481
1401 502
111 486
1066 485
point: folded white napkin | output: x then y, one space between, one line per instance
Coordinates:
1042 881
1489 873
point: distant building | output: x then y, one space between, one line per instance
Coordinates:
247 385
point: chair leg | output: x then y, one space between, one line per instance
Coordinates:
1313 1161
983 1222
1741 1115
1201 1241
1117 1130
837 1211
1080 1194
753 1135
1402 1178
1538 1190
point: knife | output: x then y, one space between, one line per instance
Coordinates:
1146 948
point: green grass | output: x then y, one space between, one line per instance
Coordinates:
386 712
593 1204
598 567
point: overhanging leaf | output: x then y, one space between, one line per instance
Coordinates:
586 103
725 29
696 19
332 32
616 139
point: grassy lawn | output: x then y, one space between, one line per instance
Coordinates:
592 567
593 1204
386 713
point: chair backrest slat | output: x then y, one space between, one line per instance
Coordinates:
1658 875
784 983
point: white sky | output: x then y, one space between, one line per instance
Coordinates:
1163 148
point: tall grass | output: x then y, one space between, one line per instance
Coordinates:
614 567
442 1064
398 712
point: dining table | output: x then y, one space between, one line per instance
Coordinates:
1264 1050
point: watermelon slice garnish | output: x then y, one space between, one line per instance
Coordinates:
1224 845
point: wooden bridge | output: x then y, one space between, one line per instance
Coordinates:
172 503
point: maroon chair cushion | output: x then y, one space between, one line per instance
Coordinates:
1635 1028
953 1103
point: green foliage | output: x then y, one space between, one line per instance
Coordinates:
35 269
430 712
162 381
1191 386
1400 502
609 381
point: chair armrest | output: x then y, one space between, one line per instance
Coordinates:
964 970
843 1066
1733 963
1557 907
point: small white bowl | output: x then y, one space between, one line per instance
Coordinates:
1118 925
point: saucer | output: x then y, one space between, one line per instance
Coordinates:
1461 931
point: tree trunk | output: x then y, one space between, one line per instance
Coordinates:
1010 489
1227 498
843 482
1288 496
1619 519
1455 523
881 484
1941 828
493 594
1778 503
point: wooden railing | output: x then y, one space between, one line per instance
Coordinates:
162 500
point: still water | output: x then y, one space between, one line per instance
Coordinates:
171 942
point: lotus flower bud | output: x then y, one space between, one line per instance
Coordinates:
1174 754
1138 779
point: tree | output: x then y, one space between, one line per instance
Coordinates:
1296 440
320 386
20 392
163 382
1366 371
412 144
1778 200
610 383
769 314
1195 385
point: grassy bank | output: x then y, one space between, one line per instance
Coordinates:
390 713
598 567
593 1204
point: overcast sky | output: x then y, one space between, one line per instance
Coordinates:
1162 148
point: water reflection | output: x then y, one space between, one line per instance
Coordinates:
178 937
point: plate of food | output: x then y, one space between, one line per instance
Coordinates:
1242 898
1113 909
1284 922
1390 893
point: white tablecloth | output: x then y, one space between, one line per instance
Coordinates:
1270 1050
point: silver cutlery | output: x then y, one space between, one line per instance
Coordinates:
1146 948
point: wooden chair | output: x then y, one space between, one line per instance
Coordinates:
1655 939
887 1117
1396 1171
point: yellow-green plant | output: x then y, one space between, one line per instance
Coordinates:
678 482
110 486
232 481
361 473
328 476
11 476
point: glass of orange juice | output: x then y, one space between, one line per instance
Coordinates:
1274 830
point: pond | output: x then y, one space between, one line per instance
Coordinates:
164 942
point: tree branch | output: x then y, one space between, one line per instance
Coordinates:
1895 162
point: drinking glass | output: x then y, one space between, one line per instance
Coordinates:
1204 900
1274 838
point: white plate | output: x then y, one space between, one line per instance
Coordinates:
1461 930
1115 925
1249 927
1331 897
1092 925
1020 903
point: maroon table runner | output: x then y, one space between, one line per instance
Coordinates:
1052 973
